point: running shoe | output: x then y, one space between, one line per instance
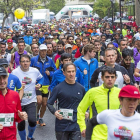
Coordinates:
41 122
37 122
30 138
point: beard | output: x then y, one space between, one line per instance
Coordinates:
49 52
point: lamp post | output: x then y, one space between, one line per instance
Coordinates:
120 15
112 5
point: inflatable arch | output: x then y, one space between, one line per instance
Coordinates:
66 9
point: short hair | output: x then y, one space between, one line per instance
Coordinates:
70 36
108 69
127 52
86 38
110 43
77 39
35 38
68 64
28 31
121 41
60 42
103 35
88 47
25 56
49 43
109 49
65 56
96 40
33 44
21 41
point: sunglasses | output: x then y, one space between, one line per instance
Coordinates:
4 65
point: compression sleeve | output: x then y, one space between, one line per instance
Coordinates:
90 125
51 108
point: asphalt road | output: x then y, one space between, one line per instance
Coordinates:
46 132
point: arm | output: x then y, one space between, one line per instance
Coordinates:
12 62
90 125
53 83
94 78
81 110
80 77
136 72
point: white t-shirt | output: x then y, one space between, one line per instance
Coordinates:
7 56
137 35
29 78
119 126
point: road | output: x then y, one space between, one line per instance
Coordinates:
46 132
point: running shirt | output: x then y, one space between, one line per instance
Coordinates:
29 78
13 82
119 126
138 65
119 81
7 56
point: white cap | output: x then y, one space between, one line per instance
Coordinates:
42 47
118 29
51 37
68 46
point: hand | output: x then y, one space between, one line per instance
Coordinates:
1 127
83 133
22 115
38 86
23 85
58 115
47 72
86 115
137 86
126 78
85 71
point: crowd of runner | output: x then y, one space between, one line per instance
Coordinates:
76 69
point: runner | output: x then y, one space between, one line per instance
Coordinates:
47 68
13 81
122 123
69 94
99 99
58 75
28 76
10 110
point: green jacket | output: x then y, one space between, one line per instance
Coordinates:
97 100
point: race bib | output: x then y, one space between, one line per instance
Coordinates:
100 64
7 119
67 114
27 95
116 84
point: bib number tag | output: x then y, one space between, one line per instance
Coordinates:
27 95
100 64
67 114
7 119
116 84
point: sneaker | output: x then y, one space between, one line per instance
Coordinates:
30 138
41 122
37 122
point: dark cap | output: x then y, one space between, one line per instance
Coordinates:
46 33
3 61
3 71
20 38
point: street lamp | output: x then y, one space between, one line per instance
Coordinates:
112 5
120 3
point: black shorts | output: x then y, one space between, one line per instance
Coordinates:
38 92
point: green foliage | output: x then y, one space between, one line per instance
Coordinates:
102 7
55 5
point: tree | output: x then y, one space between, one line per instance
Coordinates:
102 7
55 5
9 6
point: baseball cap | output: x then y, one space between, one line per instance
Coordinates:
68 46
130 92
3 61
9 41
60 29
118 29
42 47
3 71
46 33
50 36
